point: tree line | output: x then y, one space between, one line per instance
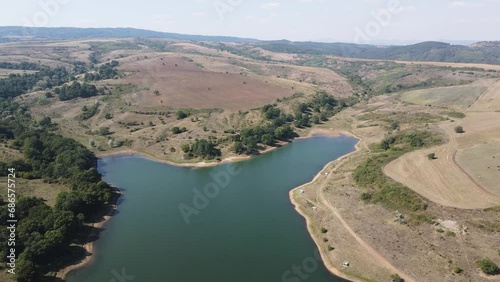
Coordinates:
45 233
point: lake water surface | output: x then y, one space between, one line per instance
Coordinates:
242 228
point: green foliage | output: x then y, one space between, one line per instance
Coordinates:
17 84
459 129
432 156
455 114
488 266
271 112
76 90
249 138
106 71
88 113
182 114
324 230
457 270
177 130
45 233
396 278
330 248
103 131
386 191
202 149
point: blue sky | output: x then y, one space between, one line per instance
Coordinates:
318 20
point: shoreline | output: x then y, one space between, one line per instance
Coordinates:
311 133
309 221
89 247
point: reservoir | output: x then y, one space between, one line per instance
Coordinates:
228 223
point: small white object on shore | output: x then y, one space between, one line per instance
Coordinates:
345 264
314 208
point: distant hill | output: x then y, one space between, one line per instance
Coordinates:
78 33
481 52
487 52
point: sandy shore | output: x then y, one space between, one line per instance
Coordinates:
89 247
309 221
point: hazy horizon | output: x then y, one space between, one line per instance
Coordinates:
360 21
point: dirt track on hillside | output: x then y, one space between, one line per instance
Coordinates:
444 180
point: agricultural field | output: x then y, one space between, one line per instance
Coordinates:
453 97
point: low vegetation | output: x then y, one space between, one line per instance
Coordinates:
384 190
459 129
488 267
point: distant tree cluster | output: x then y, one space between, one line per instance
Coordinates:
201 149
21 66
248 140
76 90
106 71
18 84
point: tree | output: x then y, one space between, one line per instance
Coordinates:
315 119
267 139
238 148
27 271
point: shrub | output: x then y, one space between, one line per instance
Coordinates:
457 270
396 278
459 129
330 248
324 230
182 114
431 156
488 267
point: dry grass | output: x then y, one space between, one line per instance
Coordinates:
182 84
454 97
35 188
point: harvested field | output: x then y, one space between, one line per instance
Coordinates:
182 84
490 100
440 180
454 97
483 161
459 177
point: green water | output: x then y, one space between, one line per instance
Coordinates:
248 231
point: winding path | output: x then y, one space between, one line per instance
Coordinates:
380 259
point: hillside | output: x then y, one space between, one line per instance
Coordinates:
481 52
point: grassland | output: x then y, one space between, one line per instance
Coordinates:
454 97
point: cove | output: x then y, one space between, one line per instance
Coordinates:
248 231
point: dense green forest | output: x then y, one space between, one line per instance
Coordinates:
45 233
